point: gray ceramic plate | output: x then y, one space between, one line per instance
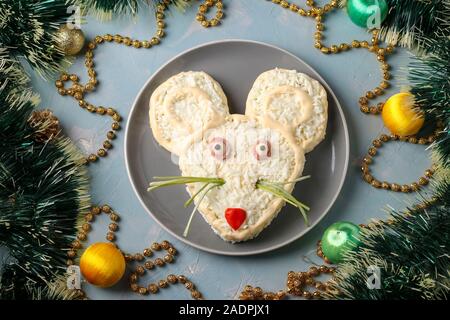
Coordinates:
235 64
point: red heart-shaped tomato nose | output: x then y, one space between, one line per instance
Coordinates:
235 217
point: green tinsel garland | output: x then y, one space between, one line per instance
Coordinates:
411 21
106 9
27 31
429 76
43 191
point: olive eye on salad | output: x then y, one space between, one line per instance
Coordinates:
262 150
220 148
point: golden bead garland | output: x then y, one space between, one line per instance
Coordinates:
405 188
78 90
138 257
148 265
320 254
256 293
204 8
297 284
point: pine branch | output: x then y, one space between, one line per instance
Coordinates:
28 32
429 76
55 290
43 190
106 9
409 21
13 78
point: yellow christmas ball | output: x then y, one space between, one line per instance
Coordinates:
400 115
102 264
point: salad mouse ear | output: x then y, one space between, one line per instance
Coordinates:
184 104
292 99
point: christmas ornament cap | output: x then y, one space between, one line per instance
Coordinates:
339 238
102 264
368 14
400 115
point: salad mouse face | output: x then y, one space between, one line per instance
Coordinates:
241 151
189 116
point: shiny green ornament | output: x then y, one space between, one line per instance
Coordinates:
340 238
368 14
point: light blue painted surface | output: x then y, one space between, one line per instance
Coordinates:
122 71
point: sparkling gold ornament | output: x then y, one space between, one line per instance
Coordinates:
102 264
400 116
70 41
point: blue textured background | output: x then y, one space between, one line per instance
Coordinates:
122 71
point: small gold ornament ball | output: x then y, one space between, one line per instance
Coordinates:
102 264
70 41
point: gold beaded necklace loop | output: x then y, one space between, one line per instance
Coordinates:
296 285
204 8
148 265
405 188
140 270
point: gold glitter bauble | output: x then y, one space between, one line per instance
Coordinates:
70 41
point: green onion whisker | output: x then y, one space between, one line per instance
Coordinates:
305 217
187 203
175 180
275 192
278 190
294 181
186 230
208 185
